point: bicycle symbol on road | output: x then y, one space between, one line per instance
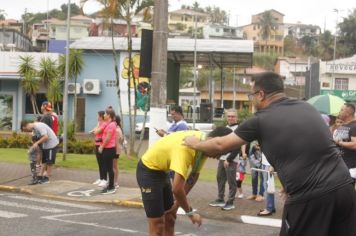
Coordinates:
81 193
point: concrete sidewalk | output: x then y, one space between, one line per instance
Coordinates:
75 185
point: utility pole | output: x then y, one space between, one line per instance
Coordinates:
195 72
65 94
334 56
159 67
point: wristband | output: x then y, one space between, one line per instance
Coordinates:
190 213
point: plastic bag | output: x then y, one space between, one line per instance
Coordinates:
271 188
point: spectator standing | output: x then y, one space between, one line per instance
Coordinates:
270 206
345 136
320 197
255 160
98 132
119 148
227 170
108 149
240 176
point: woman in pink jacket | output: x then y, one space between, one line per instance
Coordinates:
108 149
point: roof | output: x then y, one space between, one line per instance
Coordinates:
188 12
81 17
269 10
293 60
220 52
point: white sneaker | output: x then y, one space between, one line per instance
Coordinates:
97 181
240 196
103 183
117 186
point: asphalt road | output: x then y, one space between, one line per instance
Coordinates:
21 214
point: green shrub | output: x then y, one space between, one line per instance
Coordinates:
18 141
70 129
24 141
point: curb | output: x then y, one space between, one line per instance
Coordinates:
125 203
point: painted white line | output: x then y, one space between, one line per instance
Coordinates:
53 202
32 207
261 221
55 218
8 214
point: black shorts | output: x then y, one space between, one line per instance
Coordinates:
117 156
334 213
49 156
156 190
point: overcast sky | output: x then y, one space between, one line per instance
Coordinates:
306 11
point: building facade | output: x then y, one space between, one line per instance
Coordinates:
293 69
275 43
339 78
215 31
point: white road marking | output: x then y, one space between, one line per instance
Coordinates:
55 218
59 203
8 214
32 207
261 221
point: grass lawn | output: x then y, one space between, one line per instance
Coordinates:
88 162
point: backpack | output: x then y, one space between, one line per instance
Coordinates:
54 123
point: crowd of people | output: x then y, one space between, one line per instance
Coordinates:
314 158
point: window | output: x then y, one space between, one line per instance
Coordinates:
110 83
217 30
341 84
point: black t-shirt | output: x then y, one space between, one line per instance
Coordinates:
47 119
299 145
344 133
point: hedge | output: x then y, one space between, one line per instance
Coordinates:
24 141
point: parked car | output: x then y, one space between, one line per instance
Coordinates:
205 127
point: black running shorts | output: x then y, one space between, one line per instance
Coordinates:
49 156
156 190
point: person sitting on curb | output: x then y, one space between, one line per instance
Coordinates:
160 197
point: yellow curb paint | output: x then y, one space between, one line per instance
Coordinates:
126 203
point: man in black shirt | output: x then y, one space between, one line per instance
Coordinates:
320 199
345 136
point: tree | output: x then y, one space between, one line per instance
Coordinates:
348 33
267 26
48 71
54 93
76 64
31 85
326 46
216 15
289 46
2 14
74 9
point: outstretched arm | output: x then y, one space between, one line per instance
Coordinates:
215 146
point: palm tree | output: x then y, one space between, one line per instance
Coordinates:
54 93
30 83
76 64
268 25
48 71
348 33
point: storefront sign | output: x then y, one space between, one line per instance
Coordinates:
341 68
347 95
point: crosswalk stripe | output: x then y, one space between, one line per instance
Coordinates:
8 214
32 207
53 202
261 221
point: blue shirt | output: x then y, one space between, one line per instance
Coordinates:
178 126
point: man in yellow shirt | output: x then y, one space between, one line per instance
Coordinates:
161 199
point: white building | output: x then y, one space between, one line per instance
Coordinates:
293 69
339 78
214 31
